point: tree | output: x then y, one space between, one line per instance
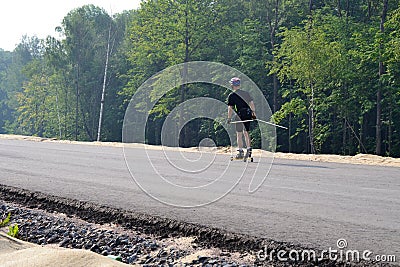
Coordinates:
5 62
28 50
86 32
309 57
166 33
378 150
392 78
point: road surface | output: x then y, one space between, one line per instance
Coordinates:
308 203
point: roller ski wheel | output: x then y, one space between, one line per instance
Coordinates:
239 156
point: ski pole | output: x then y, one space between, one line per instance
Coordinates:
270 123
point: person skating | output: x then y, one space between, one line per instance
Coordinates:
242 103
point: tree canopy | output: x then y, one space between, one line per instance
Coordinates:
329 69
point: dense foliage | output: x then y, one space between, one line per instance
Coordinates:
329 69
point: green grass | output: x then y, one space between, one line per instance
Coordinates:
13 231
6 221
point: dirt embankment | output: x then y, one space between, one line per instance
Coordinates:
365 159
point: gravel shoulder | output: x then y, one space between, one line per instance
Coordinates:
53 238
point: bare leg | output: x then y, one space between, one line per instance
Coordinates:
240 140
247 138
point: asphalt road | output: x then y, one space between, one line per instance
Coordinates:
308 203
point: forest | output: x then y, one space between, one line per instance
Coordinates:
330 70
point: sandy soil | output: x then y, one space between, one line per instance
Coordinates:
17 253
366 159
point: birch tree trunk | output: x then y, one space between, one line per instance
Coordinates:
104 86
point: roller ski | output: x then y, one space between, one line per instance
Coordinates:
239 155
243 156
248 155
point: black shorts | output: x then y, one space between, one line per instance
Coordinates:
244 114
239 126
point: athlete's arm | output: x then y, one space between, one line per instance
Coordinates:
230 112
253 109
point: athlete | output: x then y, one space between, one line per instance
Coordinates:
242 103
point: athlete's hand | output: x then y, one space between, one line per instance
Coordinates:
253 115
229 120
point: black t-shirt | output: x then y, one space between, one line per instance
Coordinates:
239 100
